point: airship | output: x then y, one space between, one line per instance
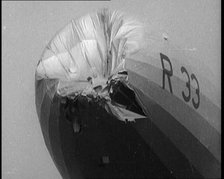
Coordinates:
112 104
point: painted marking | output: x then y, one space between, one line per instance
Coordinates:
166 72
196 105
185 94
188 85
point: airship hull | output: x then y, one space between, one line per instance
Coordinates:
107 147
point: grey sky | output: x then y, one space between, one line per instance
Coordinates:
28 26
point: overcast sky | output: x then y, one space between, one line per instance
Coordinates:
28 26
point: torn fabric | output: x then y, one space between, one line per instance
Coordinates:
95 46
87 54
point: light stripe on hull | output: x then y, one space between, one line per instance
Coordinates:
44 108
156 100
201 125
207 109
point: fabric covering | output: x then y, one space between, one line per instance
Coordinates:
91 47
86 54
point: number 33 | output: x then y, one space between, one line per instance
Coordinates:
188 85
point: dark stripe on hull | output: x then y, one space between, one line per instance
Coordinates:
185 142
169 154
184 114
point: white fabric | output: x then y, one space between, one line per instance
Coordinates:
95 46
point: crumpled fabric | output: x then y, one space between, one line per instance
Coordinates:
86 55
94 46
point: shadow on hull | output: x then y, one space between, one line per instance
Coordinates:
107 147
127 153
102 136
